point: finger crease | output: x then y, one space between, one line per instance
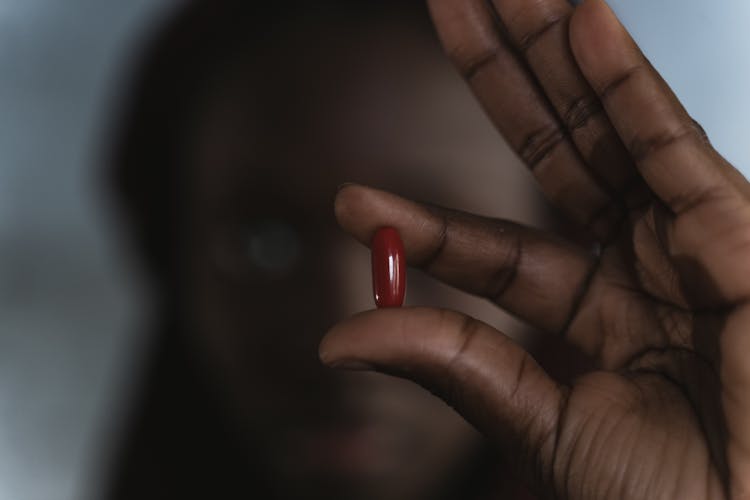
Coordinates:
684 203
520 371
476 64
506 274
540 144
440 246
467 331
529 40
580 294
701 131
581 111
642 149
559 429
614 84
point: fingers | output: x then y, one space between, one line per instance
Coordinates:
668 147
735 376
532 275
707 240
539 32
477 370
512 98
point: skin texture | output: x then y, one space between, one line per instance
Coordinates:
660 307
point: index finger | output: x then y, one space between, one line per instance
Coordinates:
532 275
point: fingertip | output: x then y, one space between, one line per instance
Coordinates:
596 36
346 197
360 210
331 360
344 185
329 349
589 12
335 355
380 336
581 31
324 353
346 342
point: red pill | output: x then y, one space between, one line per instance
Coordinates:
388 268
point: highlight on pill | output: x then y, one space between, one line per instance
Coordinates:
388 268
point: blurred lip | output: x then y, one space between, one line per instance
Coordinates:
355 448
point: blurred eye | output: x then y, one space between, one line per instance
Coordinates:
269 248
273 246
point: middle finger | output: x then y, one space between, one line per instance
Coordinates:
539 32
514 101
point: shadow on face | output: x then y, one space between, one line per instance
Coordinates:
244 122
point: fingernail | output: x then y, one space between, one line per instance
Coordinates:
351 364
343 185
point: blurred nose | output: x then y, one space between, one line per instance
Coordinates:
300 311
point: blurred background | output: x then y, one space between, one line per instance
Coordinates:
168 258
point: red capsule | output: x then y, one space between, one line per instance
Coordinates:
388 268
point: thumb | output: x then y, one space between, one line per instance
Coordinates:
489 379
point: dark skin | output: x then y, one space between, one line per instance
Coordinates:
661 307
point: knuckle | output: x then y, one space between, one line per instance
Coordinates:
539 144
465 330
607 90
502 279
471 64
441 242
546 25
580 111
644 147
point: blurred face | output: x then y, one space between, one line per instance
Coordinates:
269 272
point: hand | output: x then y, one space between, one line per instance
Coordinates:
661 307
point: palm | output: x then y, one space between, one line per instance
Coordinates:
653 322
660 309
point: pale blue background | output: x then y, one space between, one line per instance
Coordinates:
68 305
67 296
701 48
